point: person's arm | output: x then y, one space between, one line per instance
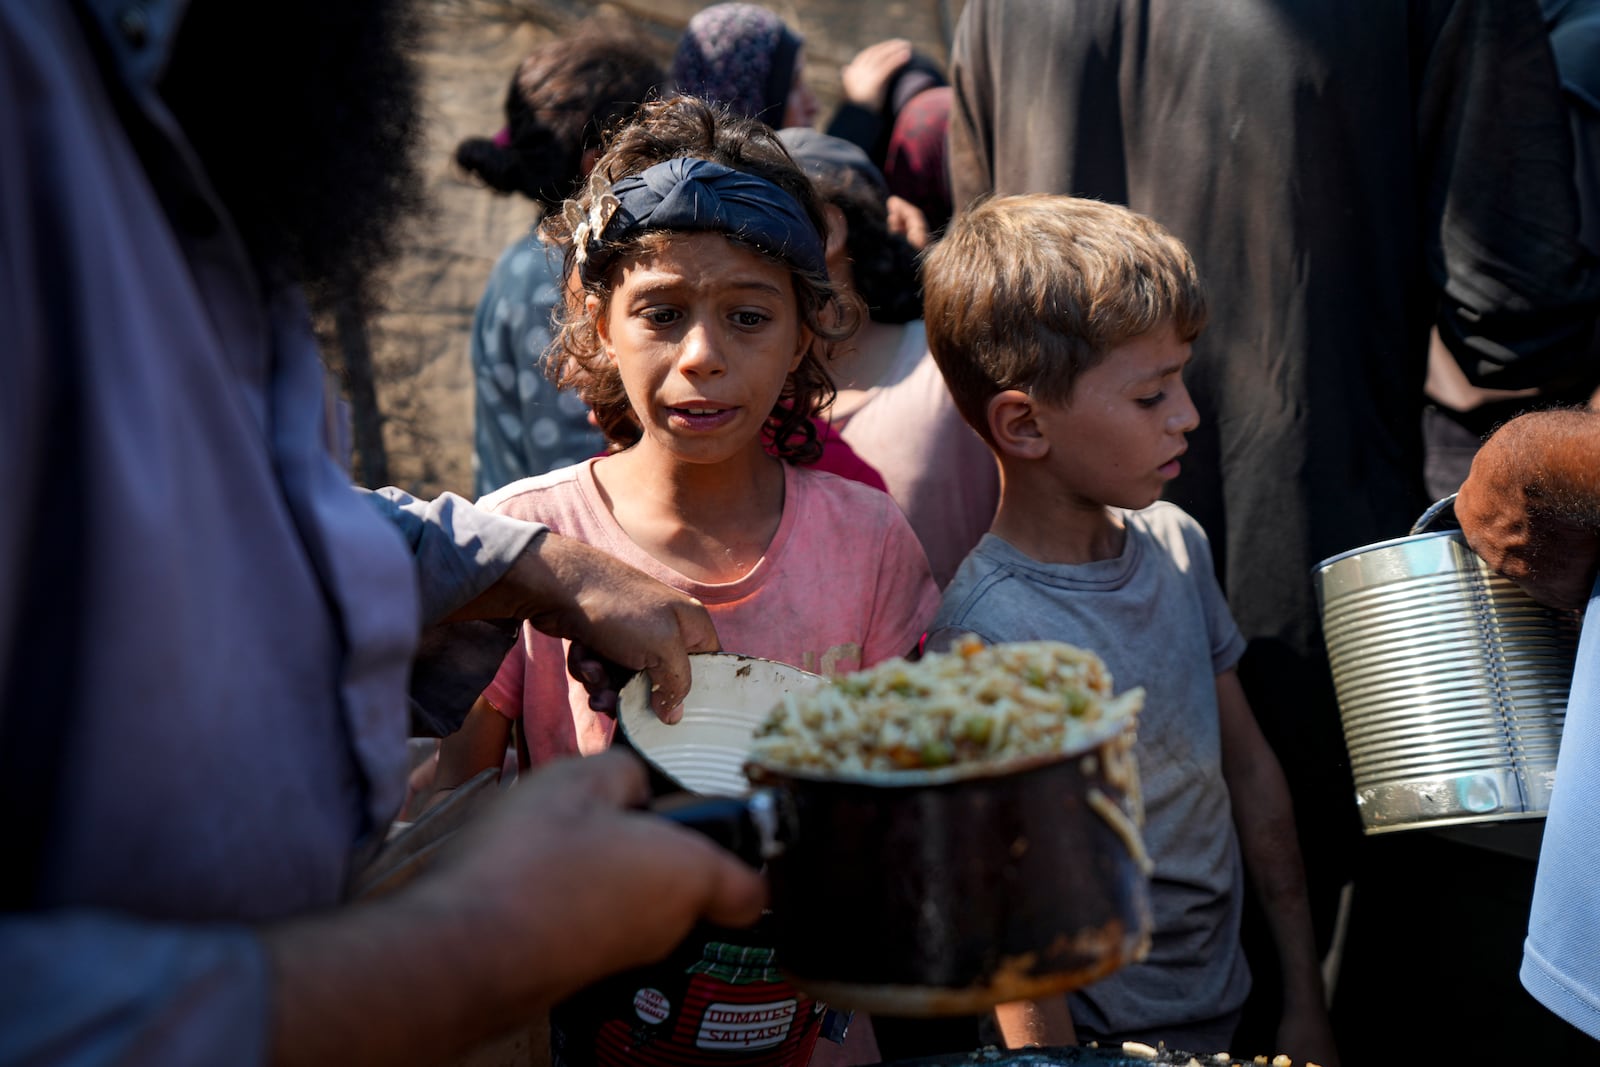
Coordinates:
1264 818
555 887
865 85
1036 1022
865 79
1531 504
479 744
568 589
1447 384
475 564
558 886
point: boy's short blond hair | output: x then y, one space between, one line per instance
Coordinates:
1028 292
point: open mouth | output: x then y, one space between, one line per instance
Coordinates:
698 417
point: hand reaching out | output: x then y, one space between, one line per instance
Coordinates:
866 77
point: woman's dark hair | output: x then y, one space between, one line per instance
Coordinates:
563 97
688 127
883 265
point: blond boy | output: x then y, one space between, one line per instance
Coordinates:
1062 327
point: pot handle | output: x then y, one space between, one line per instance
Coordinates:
748 826
1441 515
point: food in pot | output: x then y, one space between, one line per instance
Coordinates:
974 703
1163 1055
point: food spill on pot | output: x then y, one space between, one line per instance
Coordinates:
1125 827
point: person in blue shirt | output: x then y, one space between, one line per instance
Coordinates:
206 631
1531 508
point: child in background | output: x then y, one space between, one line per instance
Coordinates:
893 408
748 60
1063 327
564 95
701 336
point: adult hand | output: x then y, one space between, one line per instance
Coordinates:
866 77
557 885
602 678
1531 504
567 589
589 884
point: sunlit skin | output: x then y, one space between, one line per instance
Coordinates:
1115 443
704 334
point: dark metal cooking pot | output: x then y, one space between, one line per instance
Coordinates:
947 891
1078 1056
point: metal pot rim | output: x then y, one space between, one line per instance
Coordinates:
1393 542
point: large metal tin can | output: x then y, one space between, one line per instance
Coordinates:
1451 681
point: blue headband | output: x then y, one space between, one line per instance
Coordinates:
699 195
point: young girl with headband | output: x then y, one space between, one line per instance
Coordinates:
699 341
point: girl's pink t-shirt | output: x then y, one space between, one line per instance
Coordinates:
843 585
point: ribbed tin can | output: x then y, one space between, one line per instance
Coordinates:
1451 681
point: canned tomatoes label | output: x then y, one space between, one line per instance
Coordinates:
745 1026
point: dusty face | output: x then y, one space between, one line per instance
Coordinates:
1116 442
704 334
801 108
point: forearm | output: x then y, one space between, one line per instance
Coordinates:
397 981
1263 816
856 123
558 882
461 551
479 744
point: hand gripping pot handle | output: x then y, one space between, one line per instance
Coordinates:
1451 681
1441 515
749 827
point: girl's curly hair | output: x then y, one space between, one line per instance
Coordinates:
688 127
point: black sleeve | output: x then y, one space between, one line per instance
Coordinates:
859 126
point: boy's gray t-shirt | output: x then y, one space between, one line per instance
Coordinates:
1157 617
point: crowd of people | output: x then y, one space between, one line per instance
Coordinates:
1106 331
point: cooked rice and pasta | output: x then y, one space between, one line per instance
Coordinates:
974 703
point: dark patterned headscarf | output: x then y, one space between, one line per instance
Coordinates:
740 56
697 195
